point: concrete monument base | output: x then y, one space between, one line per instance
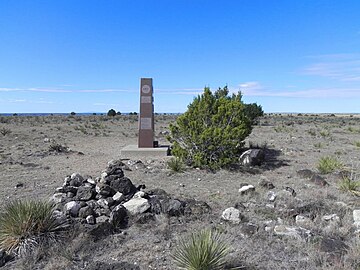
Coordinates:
135 152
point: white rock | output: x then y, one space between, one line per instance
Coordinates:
342 204
296 232
103 203
271 196
356 217
118 197
91 181
90 220
58 197
72 208
232 214
137 206
102 219
139 194
102 177
246 189
332 218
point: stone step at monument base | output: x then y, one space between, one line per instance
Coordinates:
134 152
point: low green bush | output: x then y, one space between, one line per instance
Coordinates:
211 132
329 164
176 164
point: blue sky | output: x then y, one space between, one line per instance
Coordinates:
89 55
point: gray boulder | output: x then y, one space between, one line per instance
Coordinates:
252 157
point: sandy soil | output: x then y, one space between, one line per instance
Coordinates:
28 169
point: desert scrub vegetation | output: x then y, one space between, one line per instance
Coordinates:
348 184
211 133
24 225
202 250
175 164
5 131
329 164
357 143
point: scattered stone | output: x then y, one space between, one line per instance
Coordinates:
319 180
137 206
101 229
139 194
123 185
76 180
356 217
252 157
232 215
19 185
102 219
103 203
245 189
307 174
72 208
118 197
58 198
333 217
266 184
296 232
173 207
90 220
271 196
291 191
85 193
104 189
86 211
118 216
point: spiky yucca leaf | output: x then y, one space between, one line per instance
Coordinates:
202 250
26 224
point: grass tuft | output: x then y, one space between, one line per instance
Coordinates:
201 251
176 164
24 225
329 164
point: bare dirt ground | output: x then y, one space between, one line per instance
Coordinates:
28 169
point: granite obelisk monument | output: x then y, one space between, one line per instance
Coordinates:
146 116
146 147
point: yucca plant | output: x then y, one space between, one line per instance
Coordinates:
26 224
349 184
176 164
204 250
329 164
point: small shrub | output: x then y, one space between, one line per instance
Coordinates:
324 133
357 143
328 165
211 132
111 112
318 145
348 184
73 113
176 164
312 132
56 147
26 225
202 250
5 131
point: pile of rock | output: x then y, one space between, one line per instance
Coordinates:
113 198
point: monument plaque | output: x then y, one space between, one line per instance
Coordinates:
146 116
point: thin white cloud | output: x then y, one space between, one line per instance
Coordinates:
180 91
255 89
59 90
340 67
